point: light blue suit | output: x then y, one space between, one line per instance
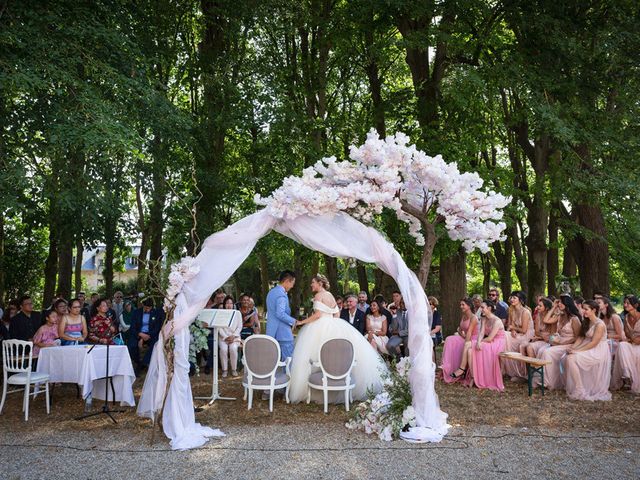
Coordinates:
279 320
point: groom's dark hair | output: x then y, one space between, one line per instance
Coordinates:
286 275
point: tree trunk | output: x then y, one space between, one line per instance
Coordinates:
78 266
375 81
521 260
503 253
156 217
214 50
485 258
51 264
298 287
569 267
141 283
346 278
264 276
110 244
593 251
553 257
65 262
331 264
363 280
2 267
453 287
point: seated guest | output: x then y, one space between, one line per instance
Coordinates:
102 327
26 322
483 354
519 333
626 365
588 361
339 302
215 302
436 325
352 314
72 327
146 323
61 307
125 319
615 329
383 308
477 302
7 315
47 334
454 345
542 331
565 314
398 331
436 322
377 327
501 307
578 301
229 341
250 320
362 302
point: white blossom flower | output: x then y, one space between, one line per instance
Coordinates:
382 173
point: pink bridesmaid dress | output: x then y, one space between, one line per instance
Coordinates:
611 332
452 350
514 368
588 373
627 363
486 372
538 345
553 378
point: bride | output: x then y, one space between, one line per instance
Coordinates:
325 324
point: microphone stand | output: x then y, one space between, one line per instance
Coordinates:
108 379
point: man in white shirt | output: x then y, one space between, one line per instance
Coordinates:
353 314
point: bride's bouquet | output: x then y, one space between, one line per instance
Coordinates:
390 411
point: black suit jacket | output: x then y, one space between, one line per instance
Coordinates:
22 327
359 322
155 324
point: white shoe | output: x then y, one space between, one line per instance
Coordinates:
234 373
225 374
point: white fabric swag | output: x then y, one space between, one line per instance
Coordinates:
223 252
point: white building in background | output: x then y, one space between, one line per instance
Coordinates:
93 266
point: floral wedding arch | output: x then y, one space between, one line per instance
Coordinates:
322 210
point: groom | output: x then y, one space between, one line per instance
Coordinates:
279 319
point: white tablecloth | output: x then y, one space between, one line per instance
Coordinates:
74 364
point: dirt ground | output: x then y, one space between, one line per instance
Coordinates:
466 407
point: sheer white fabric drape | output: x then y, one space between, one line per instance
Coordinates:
337 236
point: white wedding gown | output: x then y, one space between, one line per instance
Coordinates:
367 372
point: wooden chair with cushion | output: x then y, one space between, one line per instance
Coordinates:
262 370
336 362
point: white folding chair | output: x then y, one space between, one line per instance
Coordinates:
17 357
261 362
336 360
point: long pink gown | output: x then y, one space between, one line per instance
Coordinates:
553 378
514 368
485 363
588 373
453 349
538 345
611 331
627 363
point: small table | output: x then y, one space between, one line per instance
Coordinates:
534 365
75 364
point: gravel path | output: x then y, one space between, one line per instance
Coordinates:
319 451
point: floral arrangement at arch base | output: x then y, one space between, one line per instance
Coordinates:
389 412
